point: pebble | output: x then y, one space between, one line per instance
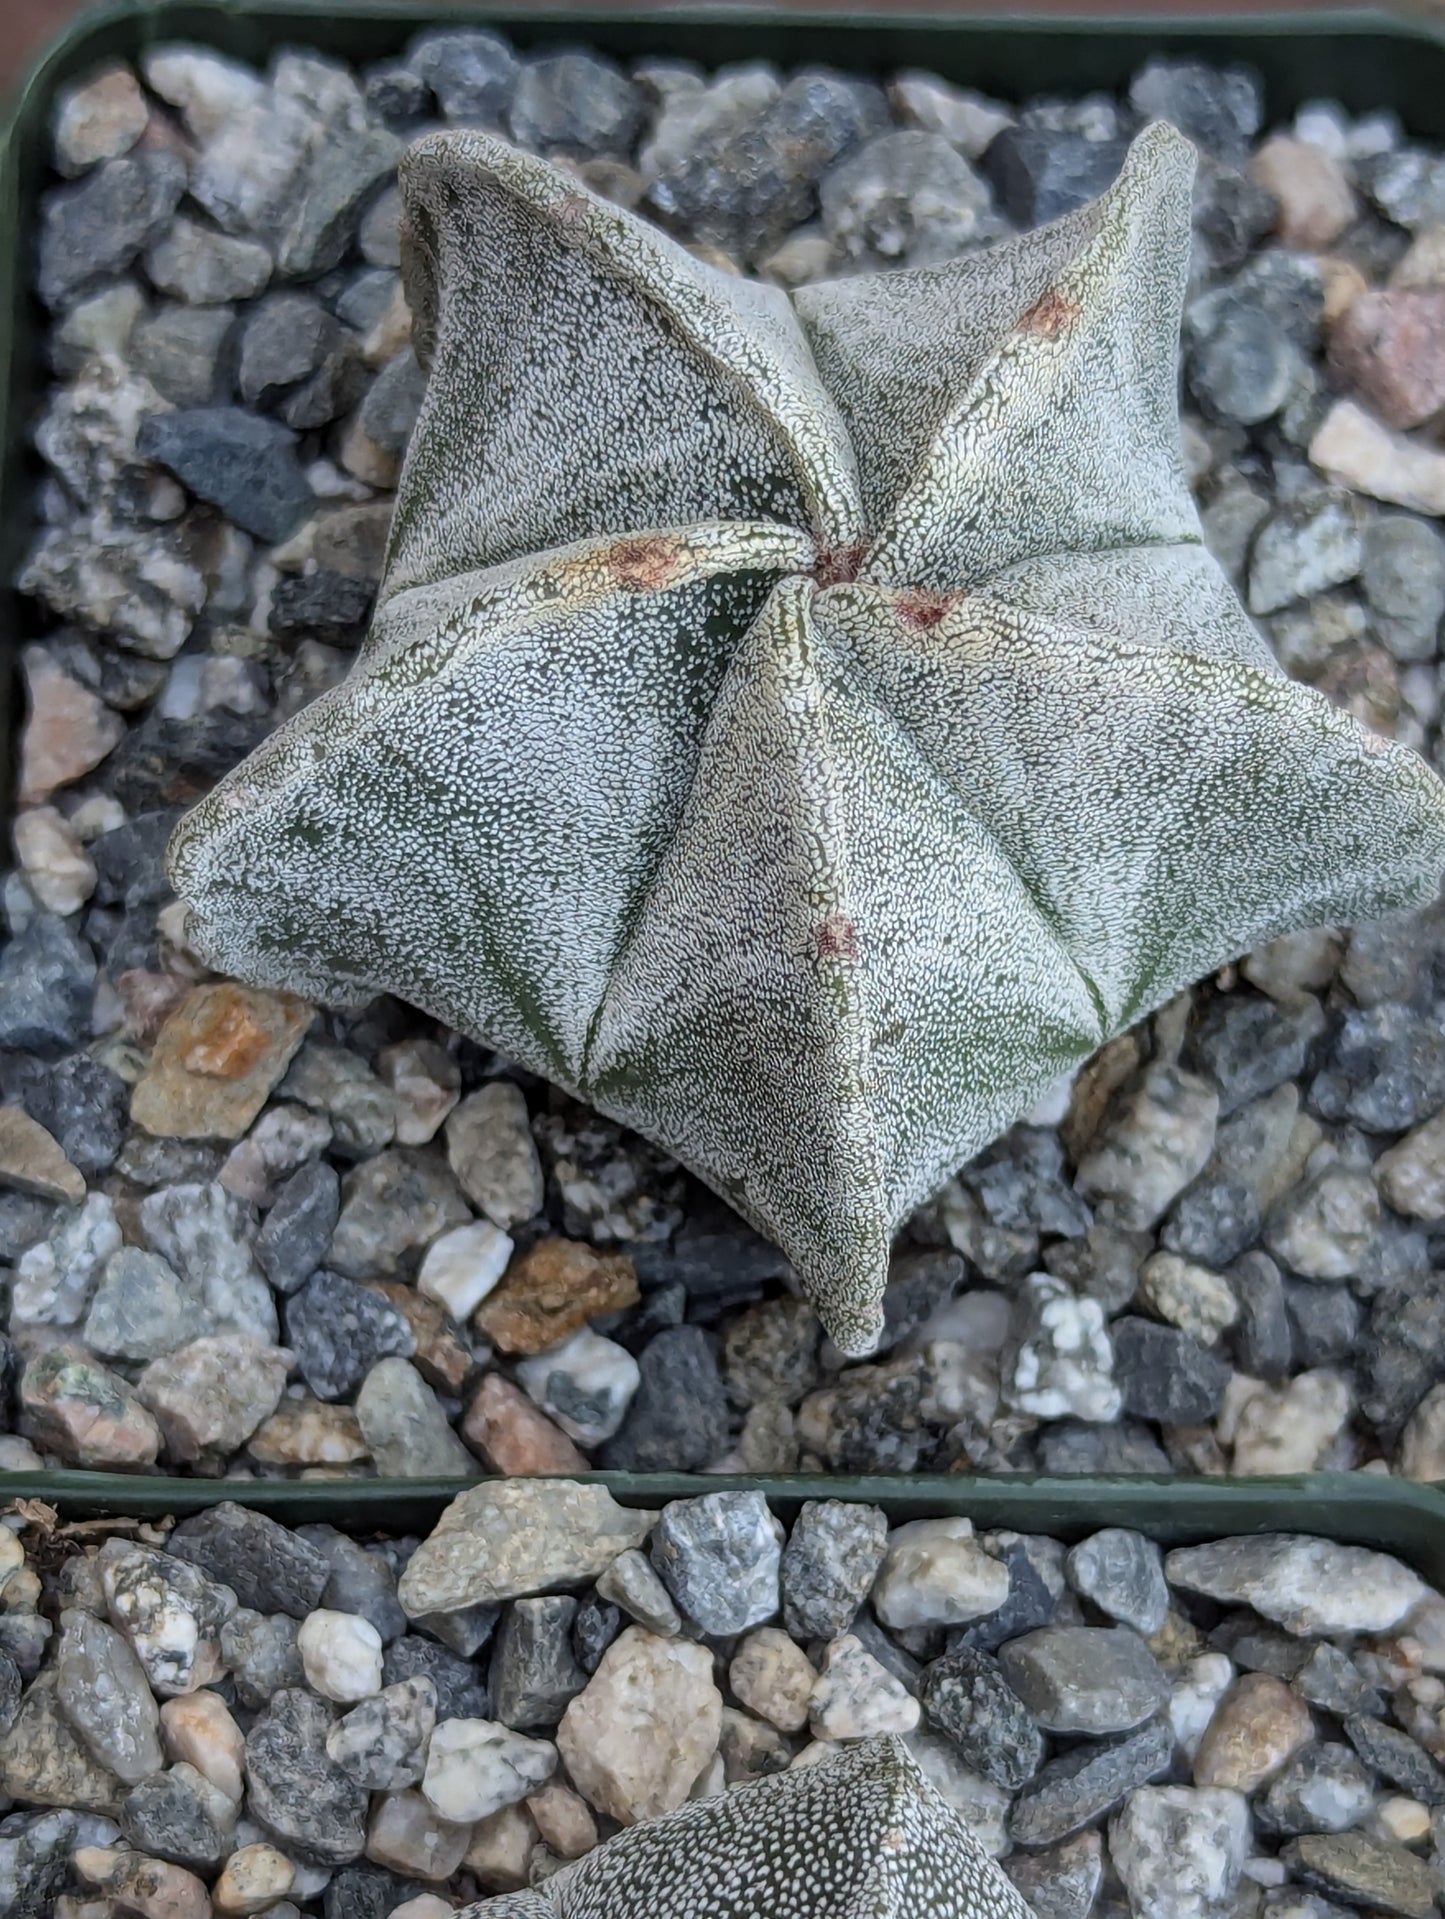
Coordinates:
1161 1141
179 1815
1292 1429
340 1332
551 1291
68 729
31 1161
1180 1850
57 869
1311 189
407 1836
937 1574
405 1429
831 1559
1085 1679
460 1268
1061 1362
200 1730
296 1232
585 1385
100 119
1352 448
382 1742
215 1062
294 1787
94 229
205 268
514 1538
1323 1789
631 1583
340 1655
393 1206
1367 1872
965 1696
773 1678
854 1697
1258 1726
1087 1781
1166 1375
512 1437
266 1566
650 1718
720 1556
678 1418
87 1414
256 1878
908 197
491 1150
533 1672
102 1688
422 1077
1306 1585
206 1234
209 1396
171 1614
1122 1572
476 1766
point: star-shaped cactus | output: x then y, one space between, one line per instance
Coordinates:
799 728
861 1835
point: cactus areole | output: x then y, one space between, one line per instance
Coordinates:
799 727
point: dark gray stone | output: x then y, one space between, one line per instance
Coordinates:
1387 1070
244 465
166 762
594 1628
471 72
360 1582
1248 1046
130 860
169 1817
397 95
1401 1351
294 1788
267 1566
1396 1758
574 103
1231 214
1022 1183
83 1105
966 1696
47 982
332 606
678 1419
388 413
1263 1337
296 1232
1322 1789
1071 1446
339 1330
342 174
1324 1322
1085 1679
1219 108
93 230
830 1561
1330 1679
1166 1375
1086 1782
185 353
1038 175
1212 1222
1122 1572
1403 578
918 1284
719 1556
366 1892
461 1693
24 1222
286 338
1241 366
534 1671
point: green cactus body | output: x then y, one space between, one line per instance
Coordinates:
858 1836
799 727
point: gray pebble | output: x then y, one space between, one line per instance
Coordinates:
267 1566
1122 1572
1085 1679
1087 1781
339 1331
720 1557
244 465
296 1790
534 1672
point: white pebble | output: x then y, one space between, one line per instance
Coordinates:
462 1266
597 1371
60 873
254 1879
340 1655
476 1766
855 1697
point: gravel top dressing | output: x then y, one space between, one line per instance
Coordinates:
228 1716
243 1236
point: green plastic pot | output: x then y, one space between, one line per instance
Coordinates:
1369 59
